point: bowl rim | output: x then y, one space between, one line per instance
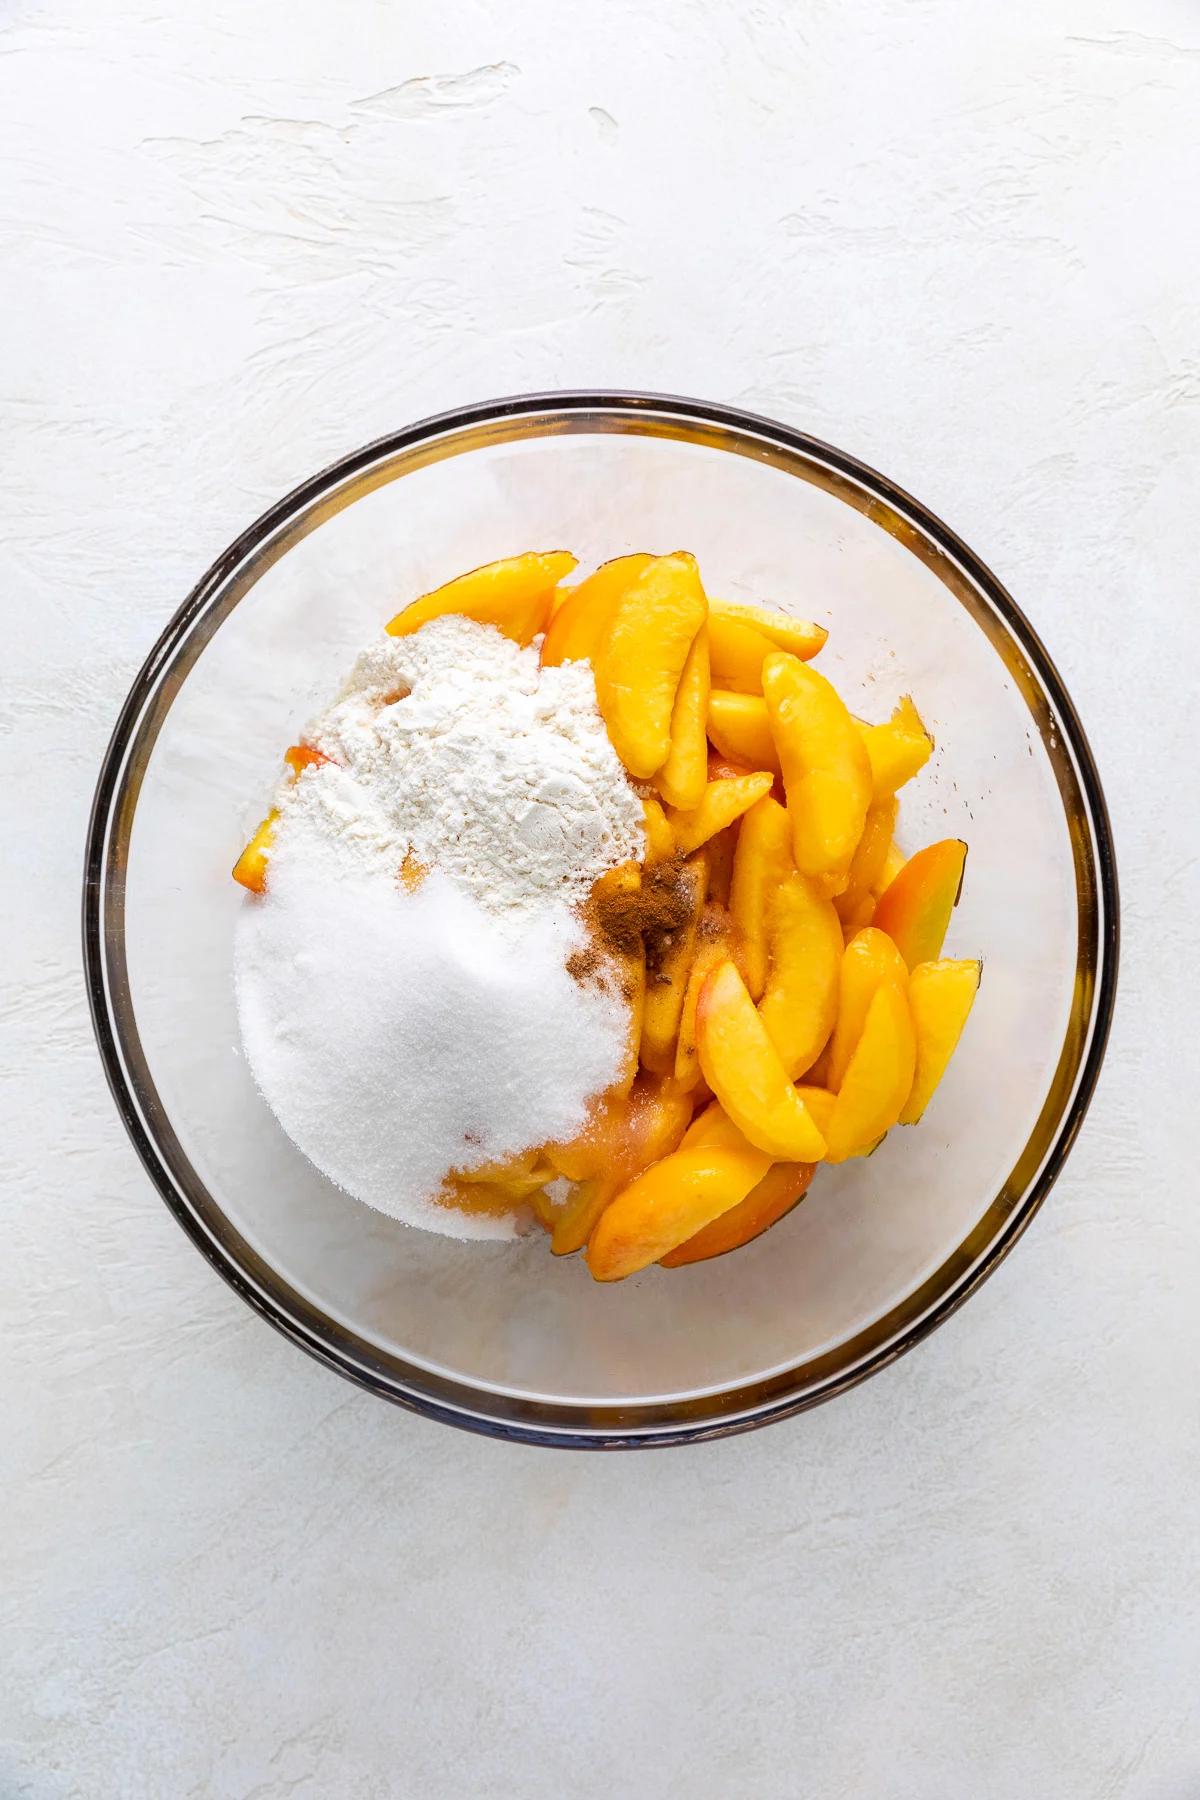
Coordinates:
582 1425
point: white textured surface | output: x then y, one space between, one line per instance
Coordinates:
238 239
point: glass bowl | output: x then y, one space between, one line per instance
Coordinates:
502 1337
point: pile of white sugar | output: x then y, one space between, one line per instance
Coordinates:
398 1035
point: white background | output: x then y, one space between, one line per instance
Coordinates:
241 237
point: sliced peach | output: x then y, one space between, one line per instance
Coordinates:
898 750
799 1004
251 866
682 779
739 727
624 1138
859 919
640 657
723 801
660 839
893 862
737 652
716 942
514 594
776 1194
744 1071
820 1103
915 909
879 1078
869 859
667 977
299 757
515 1181
870 960
668 1204
794 635
576 626
762 862
826 770
940 995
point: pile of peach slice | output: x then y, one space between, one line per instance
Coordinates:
796 1006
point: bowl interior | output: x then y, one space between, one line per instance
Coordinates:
876 1241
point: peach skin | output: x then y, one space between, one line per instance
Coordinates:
515 595
742 1067
940 995
668 1204
915 909
776 1194
640 659
826 770
576 626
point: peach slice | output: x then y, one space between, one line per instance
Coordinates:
682 779
624 1138
716 942
776 1194
893 862
660 839
898 750
786 633
744 1071
869 859
577 624
879 1078
915 909
940 995
737 652
870 960
640 658
820 1103
251 866
800 1002
514 594
666 984
826 770
739 728
299 757
761 863
668 1204
723 801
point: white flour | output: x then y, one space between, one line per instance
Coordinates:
399 1035
502 778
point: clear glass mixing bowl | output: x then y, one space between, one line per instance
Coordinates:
504 1338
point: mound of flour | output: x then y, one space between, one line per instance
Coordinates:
399 1034
451 746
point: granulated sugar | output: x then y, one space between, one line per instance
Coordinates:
398 1035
